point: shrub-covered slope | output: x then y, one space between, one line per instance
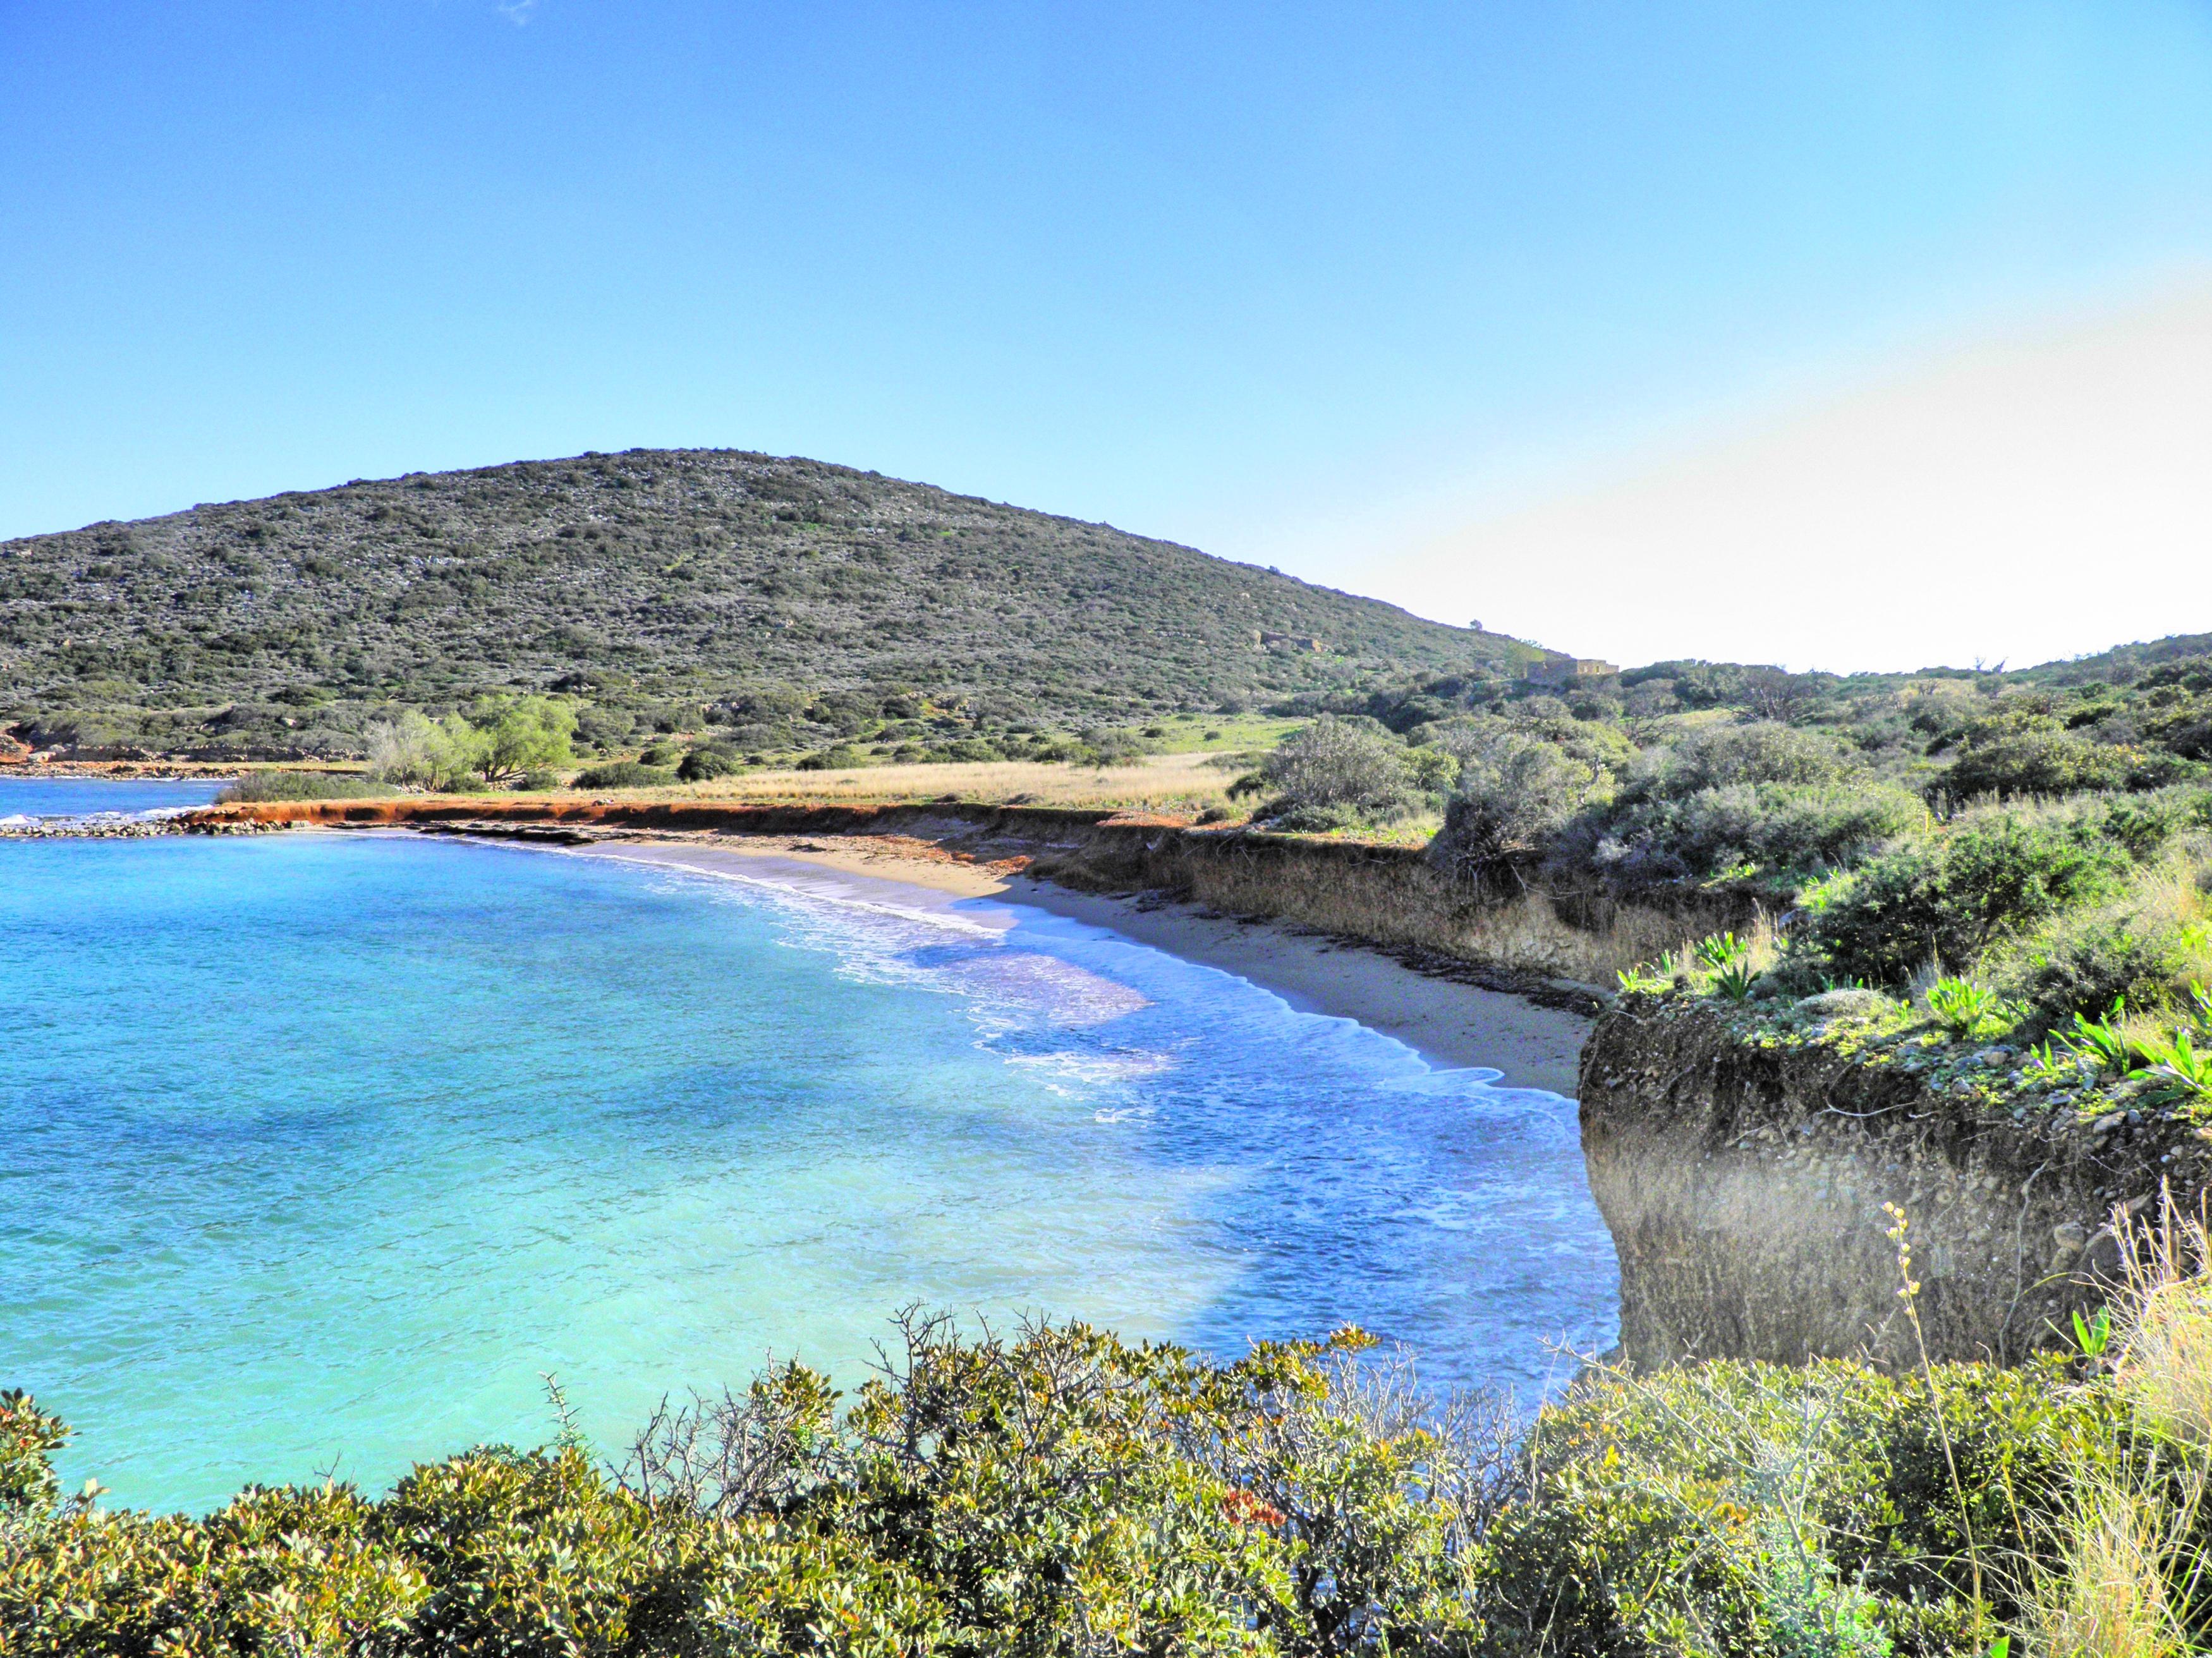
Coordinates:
696 574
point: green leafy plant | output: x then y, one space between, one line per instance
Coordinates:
1720 951
1735 980
2100 1044
1969 1011
2182 1073
2092 1335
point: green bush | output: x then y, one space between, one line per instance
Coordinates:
841 757
1720 757
1735 1507
1055 1493
625 774
1770 836
299 785
708 762
2039 763
1516 792
1949 897
1060 1492
1334 772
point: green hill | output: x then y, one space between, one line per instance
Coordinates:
691 578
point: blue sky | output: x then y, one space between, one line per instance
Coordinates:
1301 285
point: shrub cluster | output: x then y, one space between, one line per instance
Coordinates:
299 785
1057 1492
1332 773
1060 1492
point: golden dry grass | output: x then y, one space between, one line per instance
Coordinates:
1179 785
2133 1520
2110 1600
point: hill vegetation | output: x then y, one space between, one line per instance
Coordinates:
2008 875
788 602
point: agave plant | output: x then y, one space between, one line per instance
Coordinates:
1718 951
2183 1073
2100 1043
1968 1010
1735 979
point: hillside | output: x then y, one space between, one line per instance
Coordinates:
692 577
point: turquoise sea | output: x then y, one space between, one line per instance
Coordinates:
33 797
317 1151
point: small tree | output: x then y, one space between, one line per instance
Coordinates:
412 748
1335 769
531 733
1516 792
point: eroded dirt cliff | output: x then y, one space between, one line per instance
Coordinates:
1744 1179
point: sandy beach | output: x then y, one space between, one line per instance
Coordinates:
1448 1023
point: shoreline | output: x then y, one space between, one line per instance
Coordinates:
1529 1041
1452 1024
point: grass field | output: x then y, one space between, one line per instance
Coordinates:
1183 785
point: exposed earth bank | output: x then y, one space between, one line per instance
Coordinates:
1745 1184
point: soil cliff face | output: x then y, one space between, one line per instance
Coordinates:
1744 1184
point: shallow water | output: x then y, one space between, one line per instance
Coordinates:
84 797
322 1148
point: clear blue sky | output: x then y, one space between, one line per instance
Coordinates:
1227 274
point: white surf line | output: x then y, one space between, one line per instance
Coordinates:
785 888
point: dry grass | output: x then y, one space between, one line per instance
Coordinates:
2110 1600
2164 1337
1177 785
2131 1565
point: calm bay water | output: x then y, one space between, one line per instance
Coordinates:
83 797
321 1149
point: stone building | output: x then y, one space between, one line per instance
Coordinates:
1567 670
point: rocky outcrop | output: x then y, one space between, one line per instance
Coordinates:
1744 1177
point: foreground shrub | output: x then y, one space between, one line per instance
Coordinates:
1333 773
1057 1492
1771 836
2085 963
1516 792
1735 1508
299 785
1060 1492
